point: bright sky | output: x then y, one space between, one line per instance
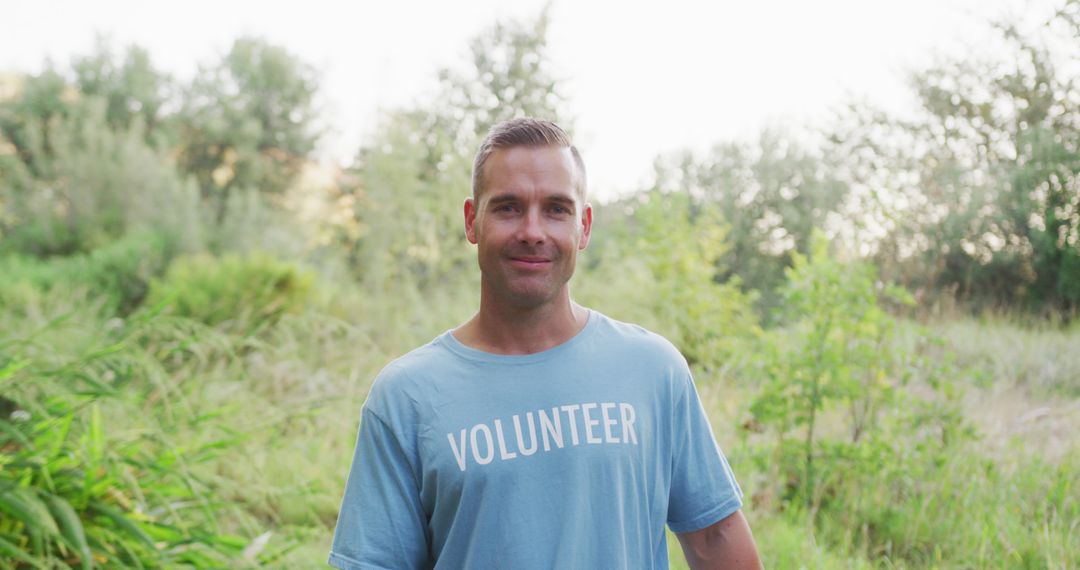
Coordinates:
642 77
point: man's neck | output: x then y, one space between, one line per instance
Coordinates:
514 330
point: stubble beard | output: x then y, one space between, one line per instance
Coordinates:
516 288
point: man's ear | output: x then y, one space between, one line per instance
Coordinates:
586 225
470 220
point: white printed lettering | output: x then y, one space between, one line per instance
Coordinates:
485 438
589 423
476 449
459 450
554 429
532 434
503 454
608 422
570 409
628 417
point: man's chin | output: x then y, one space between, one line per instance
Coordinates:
529 301
530 298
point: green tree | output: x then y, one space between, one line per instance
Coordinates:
248 122
835 353
77 181
409 180
508 76
979 194
770 193
134 91
102 185
654 261
831 391
28 120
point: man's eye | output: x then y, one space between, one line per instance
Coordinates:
560 210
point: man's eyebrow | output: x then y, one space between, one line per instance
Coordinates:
565 202
501 199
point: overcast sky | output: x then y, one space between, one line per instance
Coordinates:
642 78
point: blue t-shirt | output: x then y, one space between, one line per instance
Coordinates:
574 457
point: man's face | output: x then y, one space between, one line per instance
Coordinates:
528 224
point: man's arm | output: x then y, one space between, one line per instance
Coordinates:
382 523
726 544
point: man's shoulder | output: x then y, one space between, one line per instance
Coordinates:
635 340
402 380
641 355
424 357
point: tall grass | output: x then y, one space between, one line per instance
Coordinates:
92 473
225 442
1042 359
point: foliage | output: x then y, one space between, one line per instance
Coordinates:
851 435
77 489
508 76
408 206
658 266
28 121
248 122
770 194
409 181
119 425
136 94
980 194
94 185
119 273
1039 358
833 353
238 292
1017 515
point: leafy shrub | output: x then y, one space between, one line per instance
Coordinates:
120 272
93 186
847 435
659 269
77 491
240 293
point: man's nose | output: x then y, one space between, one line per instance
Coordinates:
531 229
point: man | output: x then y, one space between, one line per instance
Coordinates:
539 434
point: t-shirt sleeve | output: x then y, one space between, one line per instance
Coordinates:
703 488
382 522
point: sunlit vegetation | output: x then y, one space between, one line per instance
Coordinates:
882 326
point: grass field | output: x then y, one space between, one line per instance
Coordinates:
237 437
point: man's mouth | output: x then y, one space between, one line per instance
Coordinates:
528 261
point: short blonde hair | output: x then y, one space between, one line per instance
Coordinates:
527 132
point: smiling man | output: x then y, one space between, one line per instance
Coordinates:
540 433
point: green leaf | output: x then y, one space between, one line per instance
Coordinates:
10 550
111 349
124 523
70 527
59 435
15 434
117 550
12 367
95 438
99 389
197 559
231 541
164 533
26 507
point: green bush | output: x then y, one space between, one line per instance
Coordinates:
659 269
93 186
238 293
119 272
79 490
847 432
